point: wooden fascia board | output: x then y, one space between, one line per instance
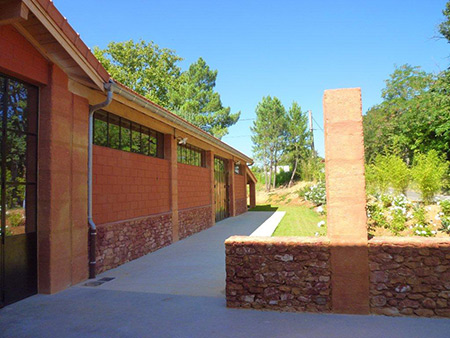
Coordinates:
60 37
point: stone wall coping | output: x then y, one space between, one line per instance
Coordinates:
292 241
410 241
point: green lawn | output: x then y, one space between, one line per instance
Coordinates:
298 220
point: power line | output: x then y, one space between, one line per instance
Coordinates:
317 124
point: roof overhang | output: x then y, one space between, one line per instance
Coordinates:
50 33
251 176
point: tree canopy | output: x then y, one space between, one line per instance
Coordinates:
413 117
279 136
196 101
155 73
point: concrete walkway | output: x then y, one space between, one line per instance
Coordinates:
178 291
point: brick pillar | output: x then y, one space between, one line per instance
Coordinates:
210 166
170 153
231 189
346 200
252 194
62 194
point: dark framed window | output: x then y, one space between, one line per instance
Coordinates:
117 132
188 154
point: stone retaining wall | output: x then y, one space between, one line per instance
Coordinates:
287 274
194 220
121 242
410 276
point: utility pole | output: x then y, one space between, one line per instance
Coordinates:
311 130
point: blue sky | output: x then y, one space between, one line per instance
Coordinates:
290 49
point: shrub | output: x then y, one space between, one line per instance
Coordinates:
422 225
15 219
398 222
302 191
316 194
283 177
445 207
445 222
386 200
387 171
375 212
311 169
428 173
399 176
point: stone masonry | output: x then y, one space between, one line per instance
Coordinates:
194 220
241 206
121 242
410 276
286 274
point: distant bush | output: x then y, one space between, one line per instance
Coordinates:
428 172
311 169
15 218
283 177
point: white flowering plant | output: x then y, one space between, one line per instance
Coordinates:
316 194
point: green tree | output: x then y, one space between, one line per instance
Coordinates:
298 137
154 72
196 101
144 67
403 123
444 27
269 135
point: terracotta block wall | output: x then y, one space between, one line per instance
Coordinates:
128 185
193 186
283 274
410 276
194 199
62 165
240 194
121 242
62 199
20 58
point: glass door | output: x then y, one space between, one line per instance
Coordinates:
18 202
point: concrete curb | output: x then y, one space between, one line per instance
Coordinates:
268 227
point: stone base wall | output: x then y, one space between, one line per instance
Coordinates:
410 276
121 242
285 274
194 220
241 206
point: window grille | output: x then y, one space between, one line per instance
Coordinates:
116 132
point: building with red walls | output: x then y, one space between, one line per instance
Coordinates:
93 175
